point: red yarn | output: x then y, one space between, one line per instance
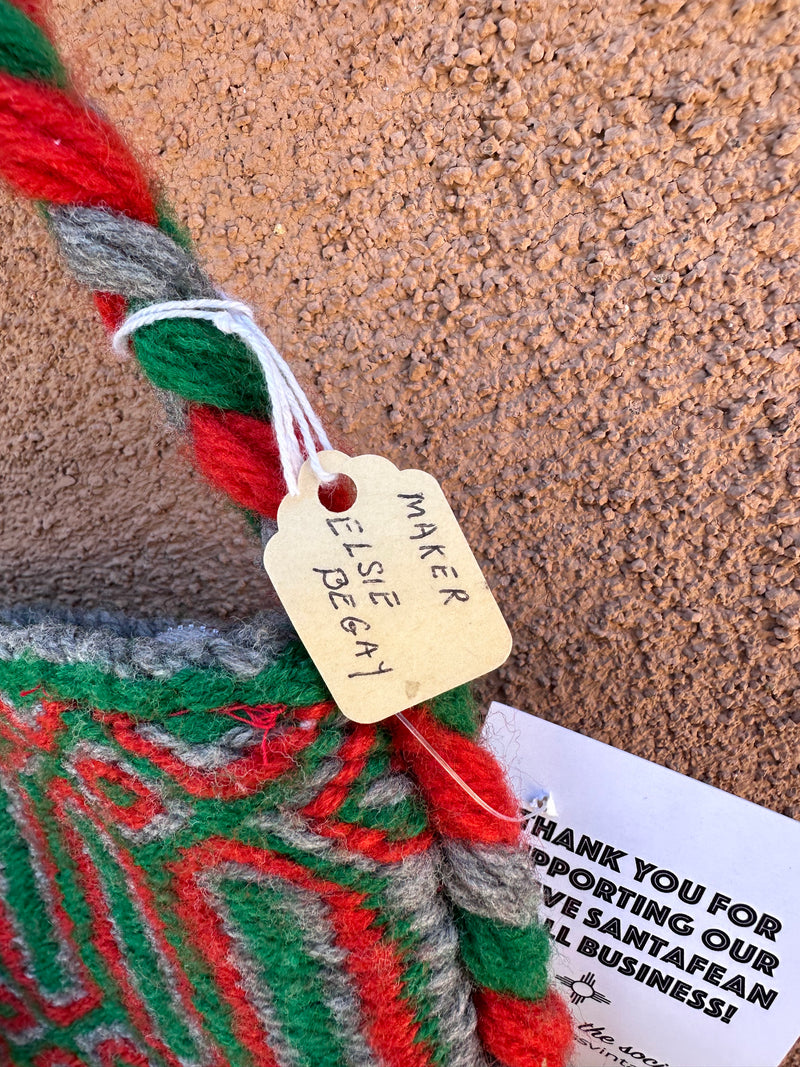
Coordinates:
261 717
454 812
140 806
239 455
353 755
112 308
524 1033
53 148
373 963
33 9
15 961
242 777
57 1058
121 1052
104 935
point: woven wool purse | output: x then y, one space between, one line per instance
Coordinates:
202 862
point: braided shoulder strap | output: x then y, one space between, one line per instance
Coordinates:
120 240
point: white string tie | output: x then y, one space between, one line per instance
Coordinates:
292 412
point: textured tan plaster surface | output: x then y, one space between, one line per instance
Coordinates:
548 251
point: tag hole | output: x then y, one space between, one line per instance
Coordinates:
339 495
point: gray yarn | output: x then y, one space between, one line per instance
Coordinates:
386 791
131 648
121 624
312 916
67 953
413 891
258 991
269 527
111 253
175 408
309 787
205 756
291 829
497 883
89 1041
174 815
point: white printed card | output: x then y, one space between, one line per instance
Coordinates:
673 905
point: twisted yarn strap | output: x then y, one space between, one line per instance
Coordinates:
123 244
494 890
290 405
454 774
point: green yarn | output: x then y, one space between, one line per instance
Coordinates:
416 979
111 1013
279 953
458 709
24 899
128 844
290 972
117 794
399 821
188 357
229 816
25 52
192 358
130 930
169 224
487 946
252 519
216 1016
292 680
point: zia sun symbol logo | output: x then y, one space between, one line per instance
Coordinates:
582 989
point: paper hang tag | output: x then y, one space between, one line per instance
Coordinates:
386 596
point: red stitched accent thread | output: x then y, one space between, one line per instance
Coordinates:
453 812
52 148
55 149
241 777
522 1033
261 717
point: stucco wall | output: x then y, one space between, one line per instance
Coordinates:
548 251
